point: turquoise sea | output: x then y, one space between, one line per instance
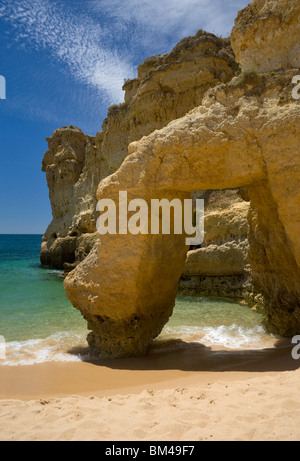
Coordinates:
39 324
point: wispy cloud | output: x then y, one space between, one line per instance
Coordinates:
177 17
72 39
96 44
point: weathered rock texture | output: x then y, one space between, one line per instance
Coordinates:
266 35
166 88
70 165
245 133
220 267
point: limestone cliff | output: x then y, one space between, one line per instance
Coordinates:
70 158
245 132
166 88
266 35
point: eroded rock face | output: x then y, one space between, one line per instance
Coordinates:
118 292
220 267
64 164
220 144
266 35
167 87
273 255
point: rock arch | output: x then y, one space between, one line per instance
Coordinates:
245 133
232 140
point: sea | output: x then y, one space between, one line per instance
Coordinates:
38 323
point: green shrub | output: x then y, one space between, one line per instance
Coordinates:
252 78
117 108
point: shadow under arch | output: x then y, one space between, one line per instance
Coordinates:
196 357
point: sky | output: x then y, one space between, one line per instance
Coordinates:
64 63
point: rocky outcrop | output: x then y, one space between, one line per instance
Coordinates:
266 35
244 133
167 87
220 267
65 163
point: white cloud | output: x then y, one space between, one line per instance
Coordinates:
99 43
181 17
73 39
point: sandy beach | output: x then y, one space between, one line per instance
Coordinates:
191 394
150 198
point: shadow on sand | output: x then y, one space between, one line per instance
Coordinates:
179 355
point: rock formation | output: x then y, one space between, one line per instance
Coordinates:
166 88
244 133
266 35
220 267
70 163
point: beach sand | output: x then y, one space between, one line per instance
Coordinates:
189 394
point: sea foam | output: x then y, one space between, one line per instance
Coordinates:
72 346
59 347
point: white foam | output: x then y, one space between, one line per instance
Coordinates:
235 336
232 336
59 347
54 348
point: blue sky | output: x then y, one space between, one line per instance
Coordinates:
64 62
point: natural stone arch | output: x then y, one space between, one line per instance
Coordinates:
126 287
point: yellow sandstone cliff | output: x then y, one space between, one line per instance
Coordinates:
166 88
242 131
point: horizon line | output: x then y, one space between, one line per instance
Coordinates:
26 233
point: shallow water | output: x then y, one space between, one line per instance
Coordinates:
217 322
39 324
